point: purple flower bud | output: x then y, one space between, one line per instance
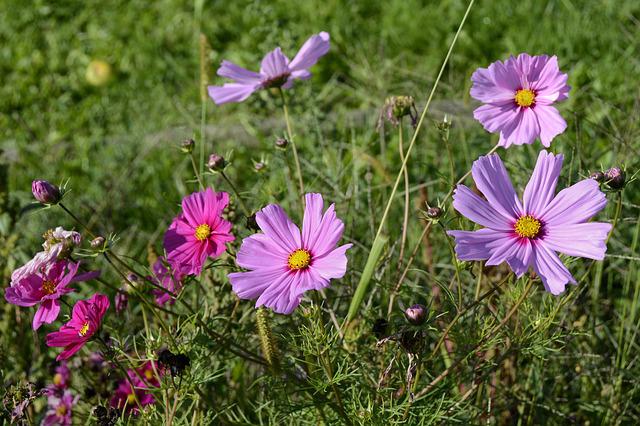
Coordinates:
597 176
282 143
416 314
187 146
434 212
97 243
121 301
615 178
45 192
259 166
216 162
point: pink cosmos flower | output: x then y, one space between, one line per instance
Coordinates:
529 233
46 287
283 262
165 277
275 71
86 318
58 245
60 409
143 379
62 376
518 95
198 232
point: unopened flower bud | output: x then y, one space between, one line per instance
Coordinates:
597 176
615 178
434 212
216 163
45 192
187 146
416 314
97 243
396 107
259 166
281 143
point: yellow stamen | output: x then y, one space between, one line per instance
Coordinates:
61 410
49 287
299 259
525 97
203 232
131 399
148 374
527 227
57 379
84 330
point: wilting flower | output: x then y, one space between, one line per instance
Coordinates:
60 409
86 318
46 287
124 397
284 263
167 278
529 233
518 95
275 71
45 192
58 245
198 232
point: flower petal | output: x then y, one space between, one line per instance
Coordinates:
522 258
231 92
581 239
275 223
332 265
485 89
279 296
549 267
235 72
259 251
492 180
478 245
550 122
474 208
274 64
46 313
542 185
575 204
523 130
250 285
313 49
320 233
495 117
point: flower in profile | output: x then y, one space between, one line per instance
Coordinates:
125 395
60 409
46 287
198 232
530 233
276 70
58 245
86 318
45 192
284 263
518 96
166 277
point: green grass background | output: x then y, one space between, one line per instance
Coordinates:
117 145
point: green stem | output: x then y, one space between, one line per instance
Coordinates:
76 219
235 191
292 142
195 170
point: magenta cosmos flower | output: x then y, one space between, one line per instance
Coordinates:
143 379
530 233
168 279
60 409
518 95
46 287
86 318
275 71
283 263
198 232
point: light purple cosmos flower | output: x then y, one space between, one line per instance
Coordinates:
58 245
275 71
530 233
166 278
60 409
518 95
284 263
46 287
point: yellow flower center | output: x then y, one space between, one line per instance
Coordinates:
131 399
203 232
84 330
48 287
57 379
527 227
525 97
61 410
299 259
148 374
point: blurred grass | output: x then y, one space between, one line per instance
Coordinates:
118 143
